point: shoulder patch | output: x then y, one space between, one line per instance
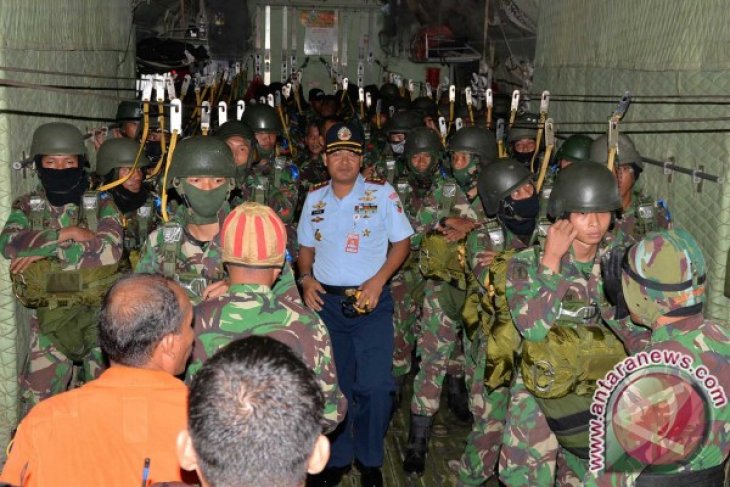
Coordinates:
317 186
378 181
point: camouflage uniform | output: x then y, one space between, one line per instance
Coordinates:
535 295
671 257
441 321
48 370
644 216
180 256
255 310
137 226
312 172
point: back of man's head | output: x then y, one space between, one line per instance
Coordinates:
254 418
137 313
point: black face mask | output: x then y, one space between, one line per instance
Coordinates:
523 157
520 217
153 150
128 201
63 186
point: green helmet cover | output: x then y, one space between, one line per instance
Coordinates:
57 138
475 140
626 154
262 118
422 139
234 128
116 153
403 122
202 157
588 187
497 181
525 127
576 148
129 111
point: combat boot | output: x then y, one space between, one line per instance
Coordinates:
458 398
415 459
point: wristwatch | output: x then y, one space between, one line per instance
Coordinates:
300 281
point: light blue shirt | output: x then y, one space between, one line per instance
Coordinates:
350 236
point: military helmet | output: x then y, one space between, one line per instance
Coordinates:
129 111
403 122
627 153
234 128
262 118
116 153
202 156
426 106
389 91
253 235
57 138
498 179
663 273
475 140
525 127
587 187
576 148
422 139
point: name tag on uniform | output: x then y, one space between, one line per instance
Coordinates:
353 243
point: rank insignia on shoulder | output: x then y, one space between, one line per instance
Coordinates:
378 181
318 186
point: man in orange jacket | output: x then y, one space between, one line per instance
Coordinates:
119 429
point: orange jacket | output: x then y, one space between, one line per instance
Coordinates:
101 433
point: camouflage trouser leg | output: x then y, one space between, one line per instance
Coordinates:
529 447
489 410
457 362
405 317
440 325
570 469
49 372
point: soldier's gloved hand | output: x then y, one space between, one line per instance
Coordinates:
75 233
560 237
611 271
453 234
311 290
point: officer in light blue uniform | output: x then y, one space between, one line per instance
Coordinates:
353 236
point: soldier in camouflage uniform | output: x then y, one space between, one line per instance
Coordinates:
509 196
240 139
522 138
443 219
555 298
423 153
254 244
388 163
640 213
114 162
187 248
576 148
312 170
64 245
663 280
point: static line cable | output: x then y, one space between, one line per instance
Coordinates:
61 73
669 167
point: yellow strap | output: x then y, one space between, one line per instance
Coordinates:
611 157
544 167
163 141
489 117
502 151
145 132
168 163
296 99
286 131
538 141
471 114
512 116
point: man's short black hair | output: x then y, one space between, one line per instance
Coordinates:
137 312
254 414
